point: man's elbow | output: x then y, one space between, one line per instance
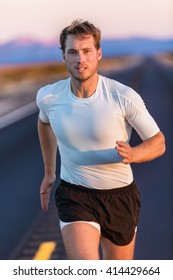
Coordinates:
162 149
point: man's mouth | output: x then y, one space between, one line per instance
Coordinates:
81 68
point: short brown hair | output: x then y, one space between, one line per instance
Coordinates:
80 28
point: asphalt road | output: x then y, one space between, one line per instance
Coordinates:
21 171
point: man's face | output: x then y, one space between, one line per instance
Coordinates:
81 57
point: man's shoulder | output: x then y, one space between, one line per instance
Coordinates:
115 86
121 91
52 89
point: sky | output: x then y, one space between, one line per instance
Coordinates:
44 19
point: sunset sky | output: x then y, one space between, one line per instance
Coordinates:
44 19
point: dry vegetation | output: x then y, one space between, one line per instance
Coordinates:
24 78
166 59
19 84
31 72
42 71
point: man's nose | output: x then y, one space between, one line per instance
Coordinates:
80 58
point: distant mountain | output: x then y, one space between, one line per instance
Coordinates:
28 51
138 46
25 50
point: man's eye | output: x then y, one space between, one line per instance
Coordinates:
71 52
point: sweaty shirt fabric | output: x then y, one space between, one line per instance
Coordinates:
87 130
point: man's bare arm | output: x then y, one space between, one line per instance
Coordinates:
48 145
148 150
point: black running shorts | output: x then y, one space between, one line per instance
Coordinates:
115 210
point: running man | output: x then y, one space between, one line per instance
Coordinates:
89 118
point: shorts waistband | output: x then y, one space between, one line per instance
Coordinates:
103 191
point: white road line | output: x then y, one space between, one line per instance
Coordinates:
18 114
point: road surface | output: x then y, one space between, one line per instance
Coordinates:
24 227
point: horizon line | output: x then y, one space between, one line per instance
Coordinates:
29 39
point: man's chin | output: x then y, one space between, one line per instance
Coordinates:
81 78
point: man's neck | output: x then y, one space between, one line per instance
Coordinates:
84 89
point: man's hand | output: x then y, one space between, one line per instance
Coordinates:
45 190
149 149
125 151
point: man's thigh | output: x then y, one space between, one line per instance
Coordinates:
81 241
114 252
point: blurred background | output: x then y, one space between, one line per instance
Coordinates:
137 43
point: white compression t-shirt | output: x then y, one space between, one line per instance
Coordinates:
87 130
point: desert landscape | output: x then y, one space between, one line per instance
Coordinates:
19 84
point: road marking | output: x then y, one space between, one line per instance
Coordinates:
45 251
18 114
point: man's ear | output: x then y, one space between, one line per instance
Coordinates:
63 57
99 54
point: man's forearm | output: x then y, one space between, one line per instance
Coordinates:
48 145
149 149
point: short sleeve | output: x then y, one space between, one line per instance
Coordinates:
41 104
137 115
